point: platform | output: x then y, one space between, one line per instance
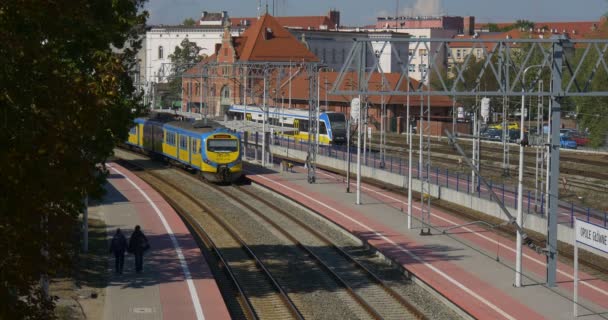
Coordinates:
176 282
471 267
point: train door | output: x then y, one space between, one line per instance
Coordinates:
183 151
296 128
195 152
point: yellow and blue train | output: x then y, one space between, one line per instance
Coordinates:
332 125
209 148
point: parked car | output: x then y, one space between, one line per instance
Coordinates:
567 142
492 134
566 132
514 136
580 139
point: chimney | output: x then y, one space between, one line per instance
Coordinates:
469 25
334 18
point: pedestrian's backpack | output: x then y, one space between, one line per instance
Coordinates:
116 242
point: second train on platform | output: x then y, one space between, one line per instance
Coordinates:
295 122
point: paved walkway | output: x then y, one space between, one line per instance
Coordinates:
176 282
470 266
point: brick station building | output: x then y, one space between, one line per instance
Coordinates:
267 41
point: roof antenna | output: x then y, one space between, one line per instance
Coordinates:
259 7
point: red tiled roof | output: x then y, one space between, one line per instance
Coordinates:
575 29
304 22
300 88
267 40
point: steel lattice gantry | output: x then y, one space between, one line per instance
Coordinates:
258 80
571 66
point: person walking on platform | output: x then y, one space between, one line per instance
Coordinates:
118 246
138 244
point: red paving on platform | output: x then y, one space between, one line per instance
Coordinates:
190 292
590 288
475 297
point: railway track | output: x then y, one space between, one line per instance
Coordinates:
274 266
249 276
376 297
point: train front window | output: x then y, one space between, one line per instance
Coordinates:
222 145
337 120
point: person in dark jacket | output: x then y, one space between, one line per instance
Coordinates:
118 246
138 244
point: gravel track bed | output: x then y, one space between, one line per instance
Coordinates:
386 306
423 300
319 297
322 303
261 293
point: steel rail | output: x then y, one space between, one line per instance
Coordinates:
368 308
406 304
284 297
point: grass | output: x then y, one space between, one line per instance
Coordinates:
89 276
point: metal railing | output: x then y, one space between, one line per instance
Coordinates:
455 180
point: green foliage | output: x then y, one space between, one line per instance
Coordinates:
493 27
592 111
189 22
185 56
525 24
66 100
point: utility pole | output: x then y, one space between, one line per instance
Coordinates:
553 194
409 167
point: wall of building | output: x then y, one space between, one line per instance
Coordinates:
333 47
157 67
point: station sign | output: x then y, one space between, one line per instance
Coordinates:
355 107
591 235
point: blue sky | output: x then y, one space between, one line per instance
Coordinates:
361 12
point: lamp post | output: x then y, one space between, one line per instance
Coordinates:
520 180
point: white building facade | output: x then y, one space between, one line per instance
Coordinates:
161 42
333 47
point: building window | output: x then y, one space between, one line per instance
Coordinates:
412 53
423 52
411 68
422 67
478 53
226 92
458 54
160 52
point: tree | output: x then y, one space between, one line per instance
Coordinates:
493 27
185 56
189 22
66 100
520 23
